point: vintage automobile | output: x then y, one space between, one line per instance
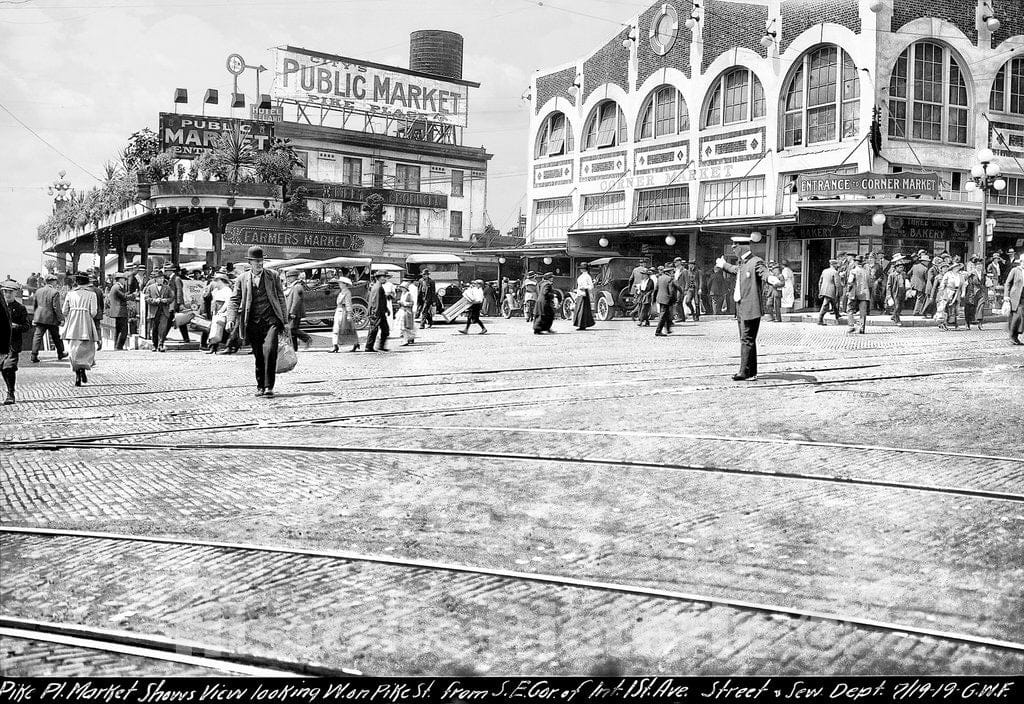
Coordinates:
611 295
322 289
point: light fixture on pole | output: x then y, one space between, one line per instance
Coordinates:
60 190
180 97
574 89
756 236
876 6
627 42
991 22
691 23
603 241
238 100
770 35
501 260
264 103
985 177
527 95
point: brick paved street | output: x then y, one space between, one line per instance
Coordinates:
876 480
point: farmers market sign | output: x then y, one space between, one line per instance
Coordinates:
829 185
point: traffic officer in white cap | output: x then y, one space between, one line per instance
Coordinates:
751 278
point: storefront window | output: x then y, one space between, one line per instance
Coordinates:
604 209
733 198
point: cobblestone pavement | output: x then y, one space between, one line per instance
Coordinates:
876 476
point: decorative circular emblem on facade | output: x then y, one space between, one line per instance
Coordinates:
959 226
195 200
235 64
664 29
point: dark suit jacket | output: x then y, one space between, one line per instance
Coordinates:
378 300
48 306
918 276
1015 287
239 308
98 292
296 304
428 292
753 277
117 302
666 292
5 327
159 299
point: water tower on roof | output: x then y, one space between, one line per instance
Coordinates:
436 51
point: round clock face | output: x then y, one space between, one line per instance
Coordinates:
236 64
664 29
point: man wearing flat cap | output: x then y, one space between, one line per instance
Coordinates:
47 318
257 311
751 278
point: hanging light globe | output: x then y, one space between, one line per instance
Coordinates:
756 236
548 260
670 240
878 219
603 241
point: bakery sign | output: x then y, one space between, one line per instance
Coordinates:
830 185
337 82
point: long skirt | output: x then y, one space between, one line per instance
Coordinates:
583 317
407 323
545 317
82 354
344 333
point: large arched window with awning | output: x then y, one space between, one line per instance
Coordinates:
605 127
554 137
821 101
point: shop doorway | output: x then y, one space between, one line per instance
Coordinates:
819 252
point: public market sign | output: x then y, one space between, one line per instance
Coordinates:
338 82
829 185
191 135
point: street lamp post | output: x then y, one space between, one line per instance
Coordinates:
984 177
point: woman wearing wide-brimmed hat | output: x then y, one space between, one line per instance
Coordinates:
583 317
406 315
344 332
79 330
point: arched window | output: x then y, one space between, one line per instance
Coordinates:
606 126
664 112
822 101
736 96
928 96
1008 90
554 137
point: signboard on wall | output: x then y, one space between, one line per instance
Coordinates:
338 82
358 194
926 229
190 135
829 185
288 235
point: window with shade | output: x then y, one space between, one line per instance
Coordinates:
554 137
736 96
928 96
663 204
407 221
352 171
733 198
821 102
455 224
1008 89
551 218
407 178
605 127
604 209
663 113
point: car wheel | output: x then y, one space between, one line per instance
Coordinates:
506 310
604 310
568 307
360 316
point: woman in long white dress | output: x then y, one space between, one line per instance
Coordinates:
344 333
79 329
788 287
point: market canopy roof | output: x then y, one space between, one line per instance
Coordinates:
434 259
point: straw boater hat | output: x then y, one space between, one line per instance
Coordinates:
222 277
10 285
345 280
549 275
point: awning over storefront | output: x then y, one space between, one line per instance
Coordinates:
434 259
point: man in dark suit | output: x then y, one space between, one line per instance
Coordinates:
117 309
13 324
694 290
294 298
175 281
665 297
1015 294
751 278
258 311
47 318
378 314
681 282
159 297
428 299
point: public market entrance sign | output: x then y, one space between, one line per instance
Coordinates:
190 135
829 185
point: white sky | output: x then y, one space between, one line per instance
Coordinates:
85 74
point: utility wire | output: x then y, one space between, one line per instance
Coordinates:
44 141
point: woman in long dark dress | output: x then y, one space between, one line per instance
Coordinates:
545 316
583 317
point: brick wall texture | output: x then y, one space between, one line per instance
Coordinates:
678 57
1011 15
729 25
609 64
958 12
798 15
554 85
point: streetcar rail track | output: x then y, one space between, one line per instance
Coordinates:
526 457
467 408
554 580
160 648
